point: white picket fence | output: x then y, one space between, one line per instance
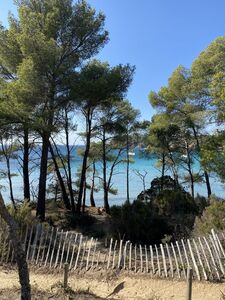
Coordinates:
50 247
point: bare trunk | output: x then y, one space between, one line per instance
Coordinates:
18 250
43 177
105 186
190 170
70 185
84 164
92 201
62 186
84 196
26 178
128 168
206 175
10 182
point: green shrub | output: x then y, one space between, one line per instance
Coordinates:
136 222
83 221
212 217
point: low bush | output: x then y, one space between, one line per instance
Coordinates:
213 217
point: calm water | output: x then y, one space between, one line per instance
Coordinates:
140 163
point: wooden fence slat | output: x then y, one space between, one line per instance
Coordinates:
29 243
205 257
125 255
193 260
176 261
53 249
146 259
217 255
89 250
93 255
38 231
109 256
185 253
68 246
200 260
135 258
114 254
130 257
40 244
158 262
120 253
59 247
72 256
49 245
220 244
216 242
45 243
152 259
63 249
164 260
83 253
78 252
98 259
212 258
170 260
181 259
141 258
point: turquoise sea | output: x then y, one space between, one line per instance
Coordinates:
140 162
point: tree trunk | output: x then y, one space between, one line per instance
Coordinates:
84 196
105 186
43 177
207 182
26 179
84 164
190 170
10 182
62 186
18 251
69 183
92 201
128 168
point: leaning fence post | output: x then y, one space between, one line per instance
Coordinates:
65 279
189 284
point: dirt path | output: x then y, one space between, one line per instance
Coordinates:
127 287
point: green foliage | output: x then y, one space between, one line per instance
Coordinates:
169 203
23 214
83 222
168 213
135 222
213 217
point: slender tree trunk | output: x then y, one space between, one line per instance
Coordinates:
128 168
69 183
18 251
84 164
43 177
10 182
105 186
61 183
26 178
206 175
84 196
92 201
190 170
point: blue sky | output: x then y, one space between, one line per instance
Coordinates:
154 35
